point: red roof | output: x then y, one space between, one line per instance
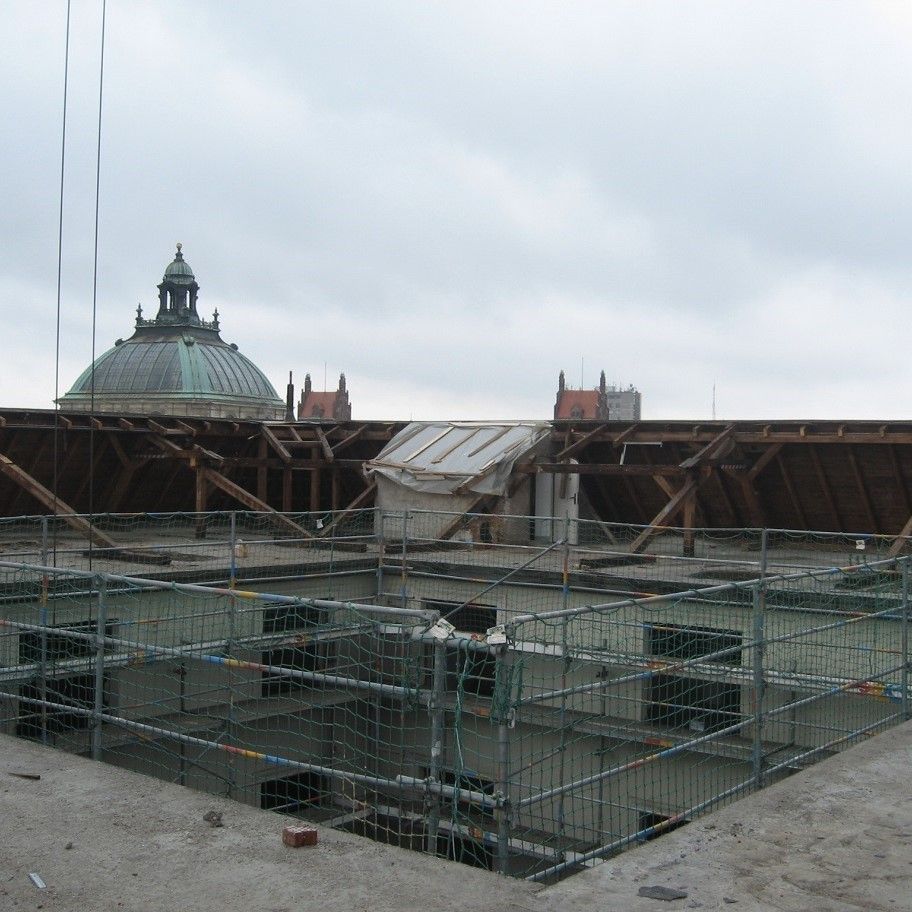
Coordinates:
585 400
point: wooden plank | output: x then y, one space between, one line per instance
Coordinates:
669 511
53 503
238 493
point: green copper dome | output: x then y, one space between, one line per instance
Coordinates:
176 364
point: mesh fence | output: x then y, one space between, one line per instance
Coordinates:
528 703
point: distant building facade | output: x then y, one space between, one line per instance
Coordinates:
597 404
333 406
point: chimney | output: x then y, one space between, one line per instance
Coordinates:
289 400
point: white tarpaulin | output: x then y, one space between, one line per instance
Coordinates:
454 457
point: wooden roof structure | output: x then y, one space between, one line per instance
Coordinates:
834 476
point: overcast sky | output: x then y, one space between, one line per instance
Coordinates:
453 201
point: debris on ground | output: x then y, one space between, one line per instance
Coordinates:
666 893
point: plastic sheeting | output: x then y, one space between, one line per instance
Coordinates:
443 457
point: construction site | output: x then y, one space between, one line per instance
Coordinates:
531 709
420 663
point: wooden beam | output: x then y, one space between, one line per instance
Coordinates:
669 511
690 507
790 487
116 445
351 438
275 443
122 486
726 499
863 490
161 429
170 447
711 448
630 488
669 489
177 468
334 489
52 503
287 489
92 474
574 448
262 471
314 501
238 493
602 468
202 501
765 458
900 481
625 435
901 540
324 443
354 505
37 456
827 490
483 500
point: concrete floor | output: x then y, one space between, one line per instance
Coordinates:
139 845
834 838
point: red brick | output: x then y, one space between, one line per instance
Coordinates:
296 836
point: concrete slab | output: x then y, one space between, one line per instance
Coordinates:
140 845
834 838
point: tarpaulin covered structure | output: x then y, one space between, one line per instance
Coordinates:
454 467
